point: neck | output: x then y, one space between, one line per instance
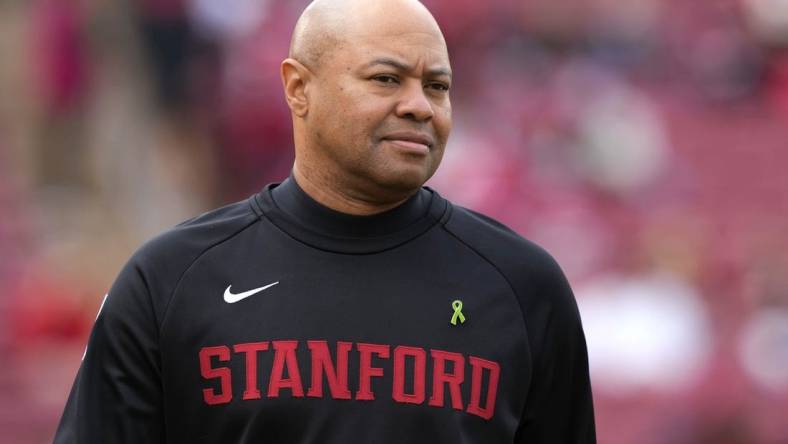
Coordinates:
326 192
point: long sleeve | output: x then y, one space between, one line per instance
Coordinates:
559 409
117 395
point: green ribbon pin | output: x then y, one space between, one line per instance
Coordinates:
457 306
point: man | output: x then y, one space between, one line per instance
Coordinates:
347 304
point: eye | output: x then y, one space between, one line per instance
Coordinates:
385 78
439 86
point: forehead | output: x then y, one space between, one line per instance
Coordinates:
413 48
389 31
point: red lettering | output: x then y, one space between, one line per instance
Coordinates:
479 365
225 395
285 355
419 370
336 376
448 369
366 371
440 377
250 350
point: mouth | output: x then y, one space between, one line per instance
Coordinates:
411 141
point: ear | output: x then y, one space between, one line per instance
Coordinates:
295 77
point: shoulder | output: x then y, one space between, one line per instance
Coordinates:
532 272
155 269
182 243
499 244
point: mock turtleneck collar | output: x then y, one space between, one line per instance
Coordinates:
298 214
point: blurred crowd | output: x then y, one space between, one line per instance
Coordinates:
643 143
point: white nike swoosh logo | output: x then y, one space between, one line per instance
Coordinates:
232 298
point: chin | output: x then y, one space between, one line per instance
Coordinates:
397 176
404 180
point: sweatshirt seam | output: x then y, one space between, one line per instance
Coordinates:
177 287
515 295
499 271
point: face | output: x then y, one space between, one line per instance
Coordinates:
380 109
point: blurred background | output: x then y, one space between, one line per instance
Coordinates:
644 143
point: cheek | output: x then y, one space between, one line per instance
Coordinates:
352 117
335 116
443 123
364 119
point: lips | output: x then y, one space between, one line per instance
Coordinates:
411 137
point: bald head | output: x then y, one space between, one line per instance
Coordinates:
367 83
328 25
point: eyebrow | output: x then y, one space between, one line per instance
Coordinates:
407 68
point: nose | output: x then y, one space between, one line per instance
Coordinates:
414 104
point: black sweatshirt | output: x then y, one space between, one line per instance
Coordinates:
278 320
